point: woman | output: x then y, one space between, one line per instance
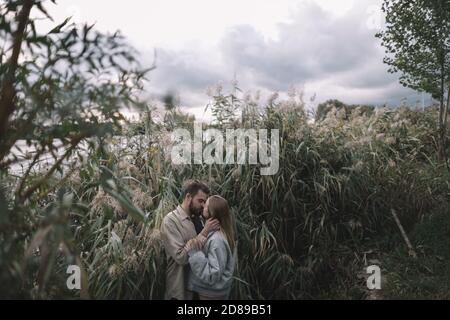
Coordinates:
212 268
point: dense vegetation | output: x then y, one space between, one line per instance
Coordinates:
307 232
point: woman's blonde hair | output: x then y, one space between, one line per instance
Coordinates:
219 209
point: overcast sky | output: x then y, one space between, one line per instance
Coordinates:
327 48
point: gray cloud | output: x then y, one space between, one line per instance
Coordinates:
312 47
190 70
187 73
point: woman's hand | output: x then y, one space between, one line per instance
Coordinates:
189 246
211 225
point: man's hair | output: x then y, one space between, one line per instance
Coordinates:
193 187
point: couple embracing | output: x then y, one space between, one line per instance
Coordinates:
199 239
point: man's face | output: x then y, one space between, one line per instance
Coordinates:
197 203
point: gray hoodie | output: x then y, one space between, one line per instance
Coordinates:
212 269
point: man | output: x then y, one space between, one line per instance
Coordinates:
179 227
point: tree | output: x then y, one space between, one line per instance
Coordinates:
61 93
417 42
324 108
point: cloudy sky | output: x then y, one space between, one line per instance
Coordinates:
326 48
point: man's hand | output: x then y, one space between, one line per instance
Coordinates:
210 225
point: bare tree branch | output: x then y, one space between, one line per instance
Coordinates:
8 92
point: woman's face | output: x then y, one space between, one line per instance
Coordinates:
205 213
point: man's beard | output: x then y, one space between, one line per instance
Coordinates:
193 210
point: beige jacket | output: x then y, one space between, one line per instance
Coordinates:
177 230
